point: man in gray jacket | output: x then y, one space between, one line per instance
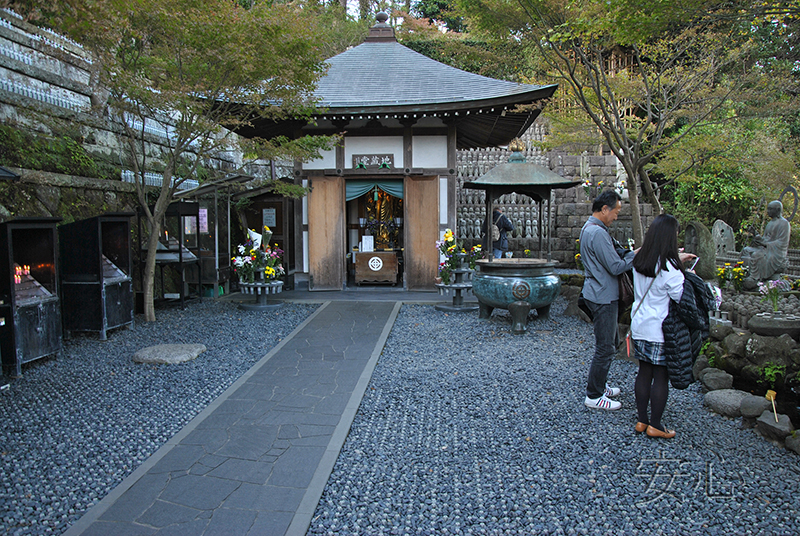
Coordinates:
603 261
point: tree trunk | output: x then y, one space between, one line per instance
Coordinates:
636 213
159 210
150 270
649 193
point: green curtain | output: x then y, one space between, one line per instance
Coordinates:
356 188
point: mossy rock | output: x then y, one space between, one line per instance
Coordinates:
572 280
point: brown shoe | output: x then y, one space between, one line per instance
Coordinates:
655 432
640 427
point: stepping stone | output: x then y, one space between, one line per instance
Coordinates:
168 354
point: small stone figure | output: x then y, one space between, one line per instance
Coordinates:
766 258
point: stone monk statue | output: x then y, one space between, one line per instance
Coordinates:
766 258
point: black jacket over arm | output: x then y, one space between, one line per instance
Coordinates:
685 330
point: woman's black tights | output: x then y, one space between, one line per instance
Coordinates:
652 386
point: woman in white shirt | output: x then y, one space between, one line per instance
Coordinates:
657 277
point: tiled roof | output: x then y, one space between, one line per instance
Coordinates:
381 79
387 74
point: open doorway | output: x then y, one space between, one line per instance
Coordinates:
375 228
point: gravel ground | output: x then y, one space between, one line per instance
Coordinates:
468 429
74 426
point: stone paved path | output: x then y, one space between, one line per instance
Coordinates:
256 460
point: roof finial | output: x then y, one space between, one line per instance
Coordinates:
516 146
381 31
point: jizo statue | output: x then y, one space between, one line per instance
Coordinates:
766 258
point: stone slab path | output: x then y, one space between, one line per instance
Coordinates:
255 461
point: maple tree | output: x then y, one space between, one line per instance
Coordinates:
643 74
191 72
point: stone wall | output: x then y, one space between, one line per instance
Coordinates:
43 194
45 80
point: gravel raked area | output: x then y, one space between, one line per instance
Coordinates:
466 428
73 427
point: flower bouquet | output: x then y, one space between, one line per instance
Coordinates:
258 258
454 252
738 274
772 291
724 274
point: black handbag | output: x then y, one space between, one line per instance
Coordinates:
583 306
626 297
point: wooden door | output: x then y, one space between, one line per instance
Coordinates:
326 246
421 217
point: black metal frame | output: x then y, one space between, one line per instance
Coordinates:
173 257
30 328
96 281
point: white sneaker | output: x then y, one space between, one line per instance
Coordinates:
611 391
602 403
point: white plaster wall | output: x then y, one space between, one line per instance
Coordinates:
327 161
373 145
429 152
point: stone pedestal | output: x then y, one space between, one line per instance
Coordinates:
775 325
462 283
262 290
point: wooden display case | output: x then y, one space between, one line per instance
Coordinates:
30 313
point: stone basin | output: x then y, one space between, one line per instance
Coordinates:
517 285
775 325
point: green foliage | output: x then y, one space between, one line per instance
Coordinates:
708 351
61 153
707 198
440 11
771 372
495 59
201 68
637 76
724 170
337 30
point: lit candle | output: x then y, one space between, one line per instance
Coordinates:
27 269
17 279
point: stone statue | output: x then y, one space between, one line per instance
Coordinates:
766 258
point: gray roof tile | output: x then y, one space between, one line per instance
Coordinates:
390 74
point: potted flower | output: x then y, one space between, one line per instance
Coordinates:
473 255
448 247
